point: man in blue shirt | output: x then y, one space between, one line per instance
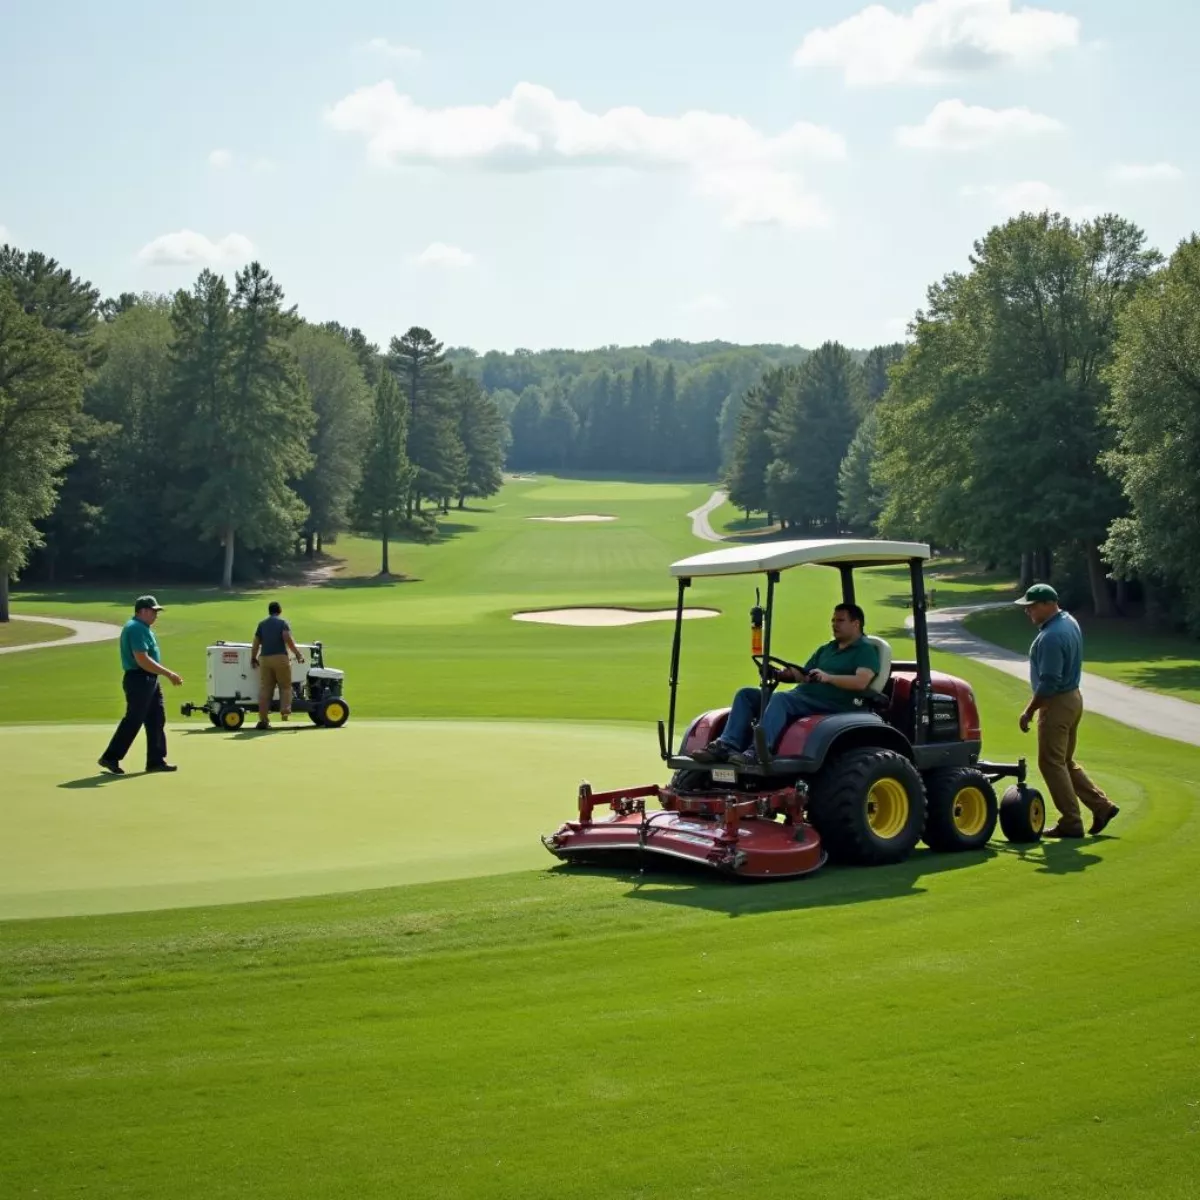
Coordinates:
1055 667
143 696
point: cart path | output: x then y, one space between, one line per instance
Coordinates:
700 524
81 631
1166 716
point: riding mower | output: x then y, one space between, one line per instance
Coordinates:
861 787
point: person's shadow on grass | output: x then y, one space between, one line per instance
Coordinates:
249 733
1055 857
99 780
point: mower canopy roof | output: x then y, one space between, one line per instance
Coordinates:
779 556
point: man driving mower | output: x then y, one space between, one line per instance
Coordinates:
828 683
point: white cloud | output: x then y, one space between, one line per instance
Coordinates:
706 302
220 159
1159 172
5 236
438 254
264 166
188 249
393 49
937 42
1028 195
753 174
953 125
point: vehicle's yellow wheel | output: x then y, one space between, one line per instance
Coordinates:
231 718
1022 814
334 713
887 808
961 812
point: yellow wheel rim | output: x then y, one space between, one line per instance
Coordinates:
335 712
232 720
970 811
887 808
1037 814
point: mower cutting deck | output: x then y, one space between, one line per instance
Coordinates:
760 838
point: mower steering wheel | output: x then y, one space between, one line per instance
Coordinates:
774 663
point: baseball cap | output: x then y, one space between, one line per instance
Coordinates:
1039 593
146 602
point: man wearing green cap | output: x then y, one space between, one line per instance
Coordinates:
144 706
1055 667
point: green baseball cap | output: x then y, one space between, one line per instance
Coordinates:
146 602
1039 593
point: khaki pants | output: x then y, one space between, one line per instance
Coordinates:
1068 783
275 669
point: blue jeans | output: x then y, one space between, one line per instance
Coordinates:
782 709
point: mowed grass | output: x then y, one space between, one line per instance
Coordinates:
1013 1023
1117 649
29 633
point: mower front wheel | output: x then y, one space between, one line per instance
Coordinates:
868 807
962 810
1022 814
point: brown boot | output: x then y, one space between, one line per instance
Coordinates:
1064 831
1101 822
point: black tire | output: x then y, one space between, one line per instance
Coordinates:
691 780
214 720
314 716
868 807
333 712
1022 814
961 809
230 718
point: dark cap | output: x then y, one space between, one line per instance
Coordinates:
146 602
1039 593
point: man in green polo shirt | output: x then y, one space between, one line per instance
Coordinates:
144 706
834 676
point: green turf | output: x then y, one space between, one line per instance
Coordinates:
295 811
1009 1024
28 633
1117 649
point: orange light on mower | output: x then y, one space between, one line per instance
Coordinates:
756 630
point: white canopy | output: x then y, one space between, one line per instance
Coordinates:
779 556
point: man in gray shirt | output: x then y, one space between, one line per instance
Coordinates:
1055 667
273 638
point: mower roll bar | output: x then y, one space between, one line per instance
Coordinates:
923 688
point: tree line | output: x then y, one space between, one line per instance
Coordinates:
215 432
1044 415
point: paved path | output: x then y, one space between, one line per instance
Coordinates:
82 631
1166 716
700 524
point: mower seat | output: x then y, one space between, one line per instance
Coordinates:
874 696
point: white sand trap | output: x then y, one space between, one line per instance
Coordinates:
581 517
610 616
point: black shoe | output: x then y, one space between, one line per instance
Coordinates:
744 758
1101 822
111 765
716 751
163 766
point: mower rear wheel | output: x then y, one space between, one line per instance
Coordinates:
1022 814
314 716
868 807
961 809
214 719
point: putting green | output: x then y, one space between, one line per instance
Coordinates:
298 811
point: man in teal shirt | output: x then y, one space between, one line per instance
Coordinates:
834 676
1055 669
144 706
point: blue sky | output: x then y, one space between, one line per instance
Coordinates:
543 174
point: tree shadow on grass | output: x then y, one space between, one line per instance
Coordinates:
1184 677
367 581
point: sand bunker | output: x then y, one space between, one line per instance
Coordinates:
610 616
581 517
